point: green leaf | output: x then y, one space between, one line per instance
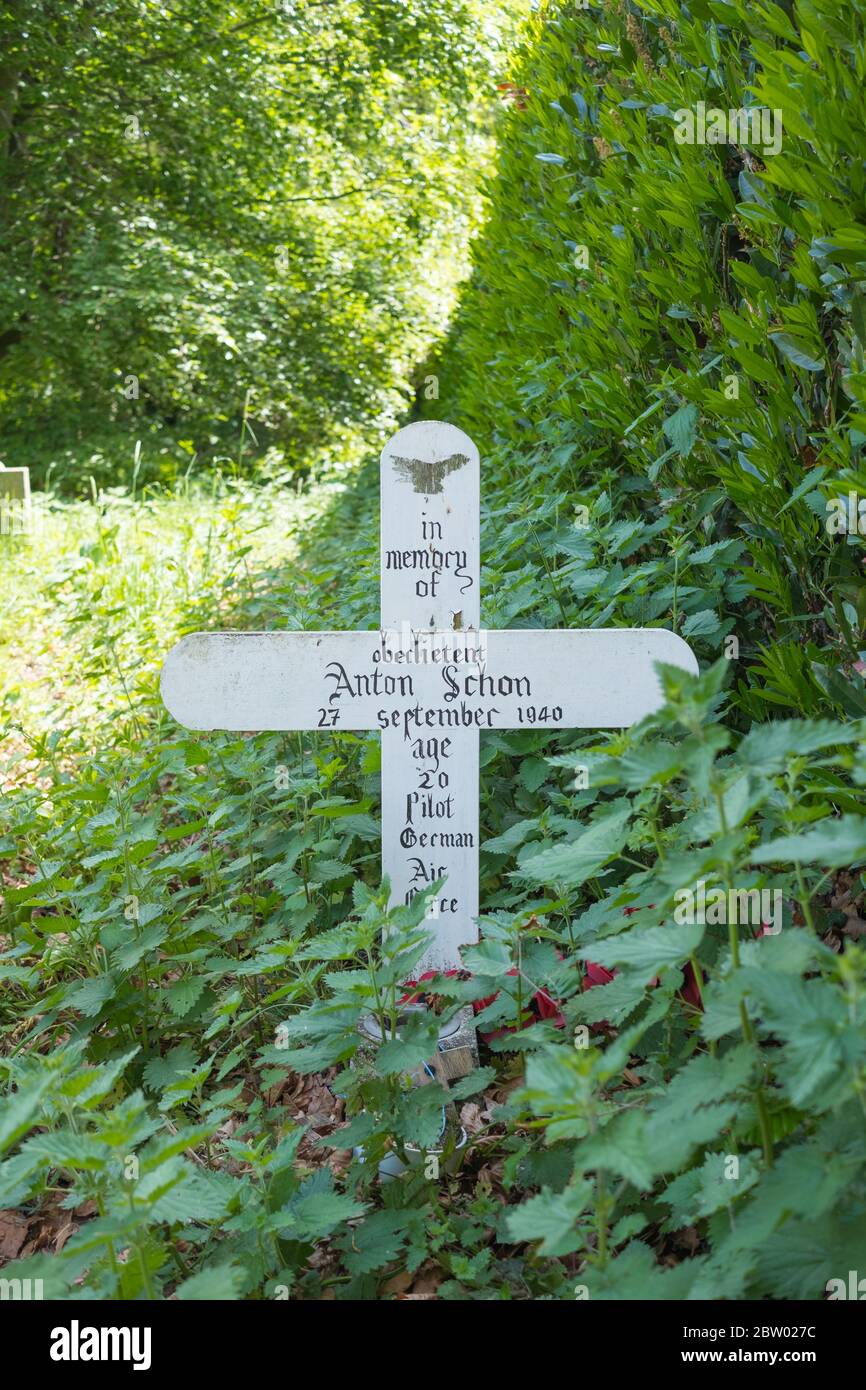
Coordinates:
797 352
701 624
650 949
681 429
799 1261
510 839
473 1084
92 996
378 1241
317 1215
533 771
634 1276
165 1071
771 746
183 994
18 1112
219 1283
835 844
416 1042
127 956
552 1217
573 863
330 870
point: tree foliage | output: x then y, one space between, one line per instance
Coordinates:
213 213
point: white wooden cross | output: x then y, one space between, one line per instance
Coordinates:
430 679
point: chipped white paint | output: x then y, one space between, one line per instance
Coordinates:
429 680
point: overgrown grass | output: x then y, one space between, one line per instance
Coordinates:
95 595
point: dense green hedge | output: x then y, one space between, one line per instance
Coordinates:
705 370
666 340
223 226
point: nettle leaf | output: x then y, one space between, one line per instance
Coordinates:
651 949
552 1217
19 1111
835 844
91 997
104 856
770 746
417 1116
18 1178
202 1196
163 1071
822 1044
701 624
720 552
318 1215
798 1261
364 826
127 956
651 763
681 429
722 1000
183 994
63 1149
95 1083
690 1112
573 863
330 870
339 943
317 1056
473 1084
147 913
379 1241
716 1184
219 1283
622 1147
512 838
614 1001
357 1131
533 771
415 1043
488 958
740 799
703 1080
634 1276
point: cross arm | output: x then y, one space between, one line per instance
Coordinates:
562 679
265 680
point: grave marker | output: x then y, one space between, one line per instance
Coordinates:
15 505
430 679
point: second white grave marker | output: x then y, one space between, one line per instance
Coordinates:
430 679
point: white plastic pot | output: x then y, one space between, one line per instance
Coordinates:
392 1166
369 1024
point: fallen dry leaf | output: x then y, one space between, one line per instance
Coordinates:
63 1235
471 1118
13 1230
426 1286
